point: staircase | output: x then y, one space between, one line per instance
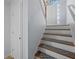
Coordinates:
56 43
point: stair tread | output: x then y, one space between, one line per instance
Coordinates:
67 35
67 32
64 38
57 50
59 41
58 28
55 29
56 25
42 55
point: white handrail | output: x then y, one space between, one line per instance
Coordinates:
43 9
72 12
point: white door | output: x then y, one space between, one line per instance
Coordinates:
16 29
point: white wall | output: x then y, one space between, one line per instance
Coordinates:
70 2
36 26
69 17
51 15
6 28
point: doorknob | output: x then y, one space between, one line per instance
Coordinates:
19 38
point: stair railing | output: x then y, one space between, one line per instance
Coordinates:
44 9
72 12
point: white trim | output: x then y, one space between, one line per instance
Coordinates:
25 29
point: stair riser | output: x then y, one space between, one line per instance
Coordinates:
53 54
60 27
59 45
63 32
68 39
